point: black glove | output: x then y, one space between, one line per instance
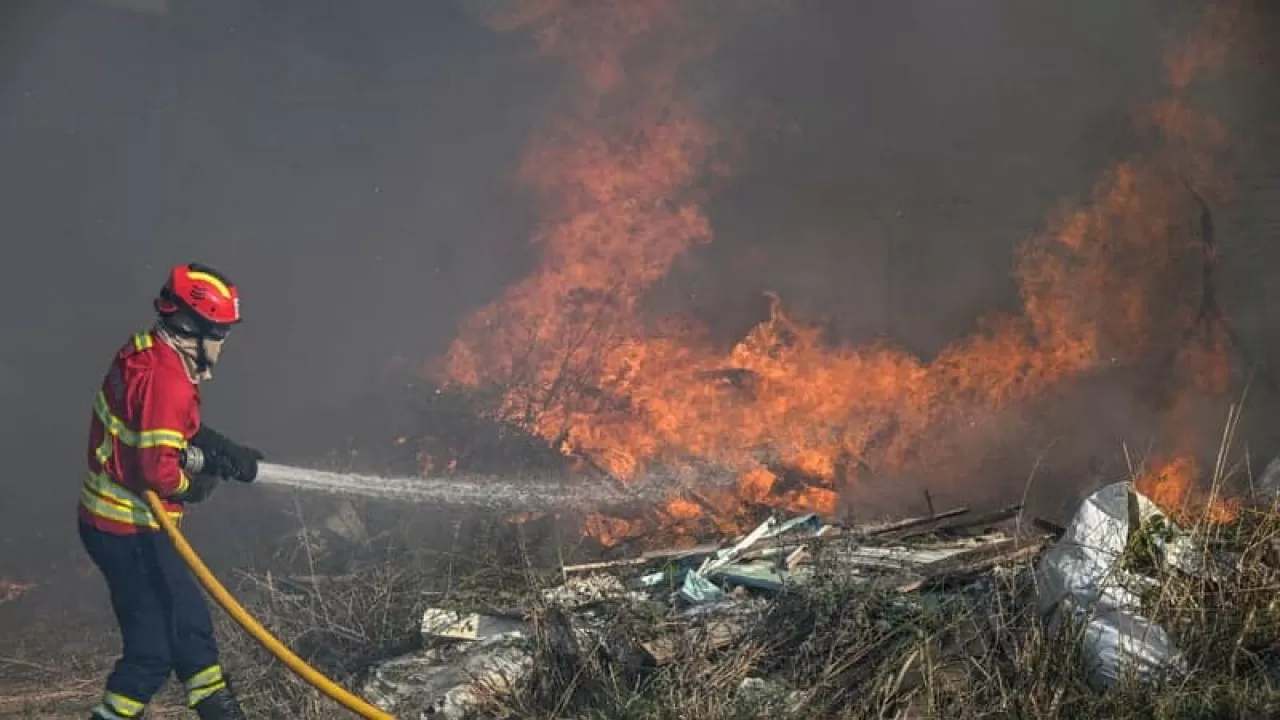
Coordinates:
244 463
211 442
200 487
225 458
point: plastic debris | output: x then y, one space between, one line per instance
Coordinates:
707 597
448 682
1083 578
447 624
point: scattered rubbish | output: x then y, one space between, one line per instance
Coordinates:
757 575
438 623
1085 578
695 600
697 589
582 591
723 557
713 635
448 682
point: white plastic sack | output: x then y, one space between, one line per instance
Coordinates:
447 682
1267 487
1080 579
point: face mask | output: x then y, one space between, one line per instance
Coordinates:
212 351
189 350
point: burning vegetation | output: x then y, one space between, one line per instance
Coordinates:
570 355
572 365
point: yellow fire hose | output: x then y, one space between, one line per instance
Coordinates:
252 626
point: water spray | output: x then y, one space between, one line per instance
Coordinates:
487 491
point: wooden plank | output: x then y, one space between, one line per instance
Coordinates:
958 523
602 565
650 556
885 528
791 542
974 568
801 554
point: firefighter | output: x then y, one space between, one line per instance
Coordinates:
146 434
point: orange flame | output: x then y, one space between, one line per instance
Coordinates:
578 365
1172 487
608 530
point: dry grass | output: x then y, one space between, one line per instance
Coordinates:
343 623
827 649
834 649
65 688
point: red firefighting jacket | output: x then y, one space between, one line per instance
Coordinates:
143 416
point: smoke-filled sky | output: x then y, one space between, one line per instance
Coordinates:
945 130
352 167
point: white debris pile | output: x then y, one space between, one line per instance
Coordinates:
1084 579
585 590
450 680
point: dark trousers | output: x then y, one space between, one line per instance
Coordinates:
163 617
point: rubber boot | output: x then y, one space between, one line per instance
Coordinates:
222 705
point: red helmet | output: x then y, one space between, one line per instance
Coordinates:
203 293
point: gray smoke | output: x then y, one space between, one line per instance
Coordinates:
350 165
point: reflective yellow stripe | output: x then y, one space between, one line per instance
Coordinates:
211 674
142 341
102 485
109 511
218 285
203 684
103 453
195 697
118 705
160 437
106 491
107 499
124 704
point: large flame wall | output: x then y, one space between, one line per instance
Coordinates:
621 175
